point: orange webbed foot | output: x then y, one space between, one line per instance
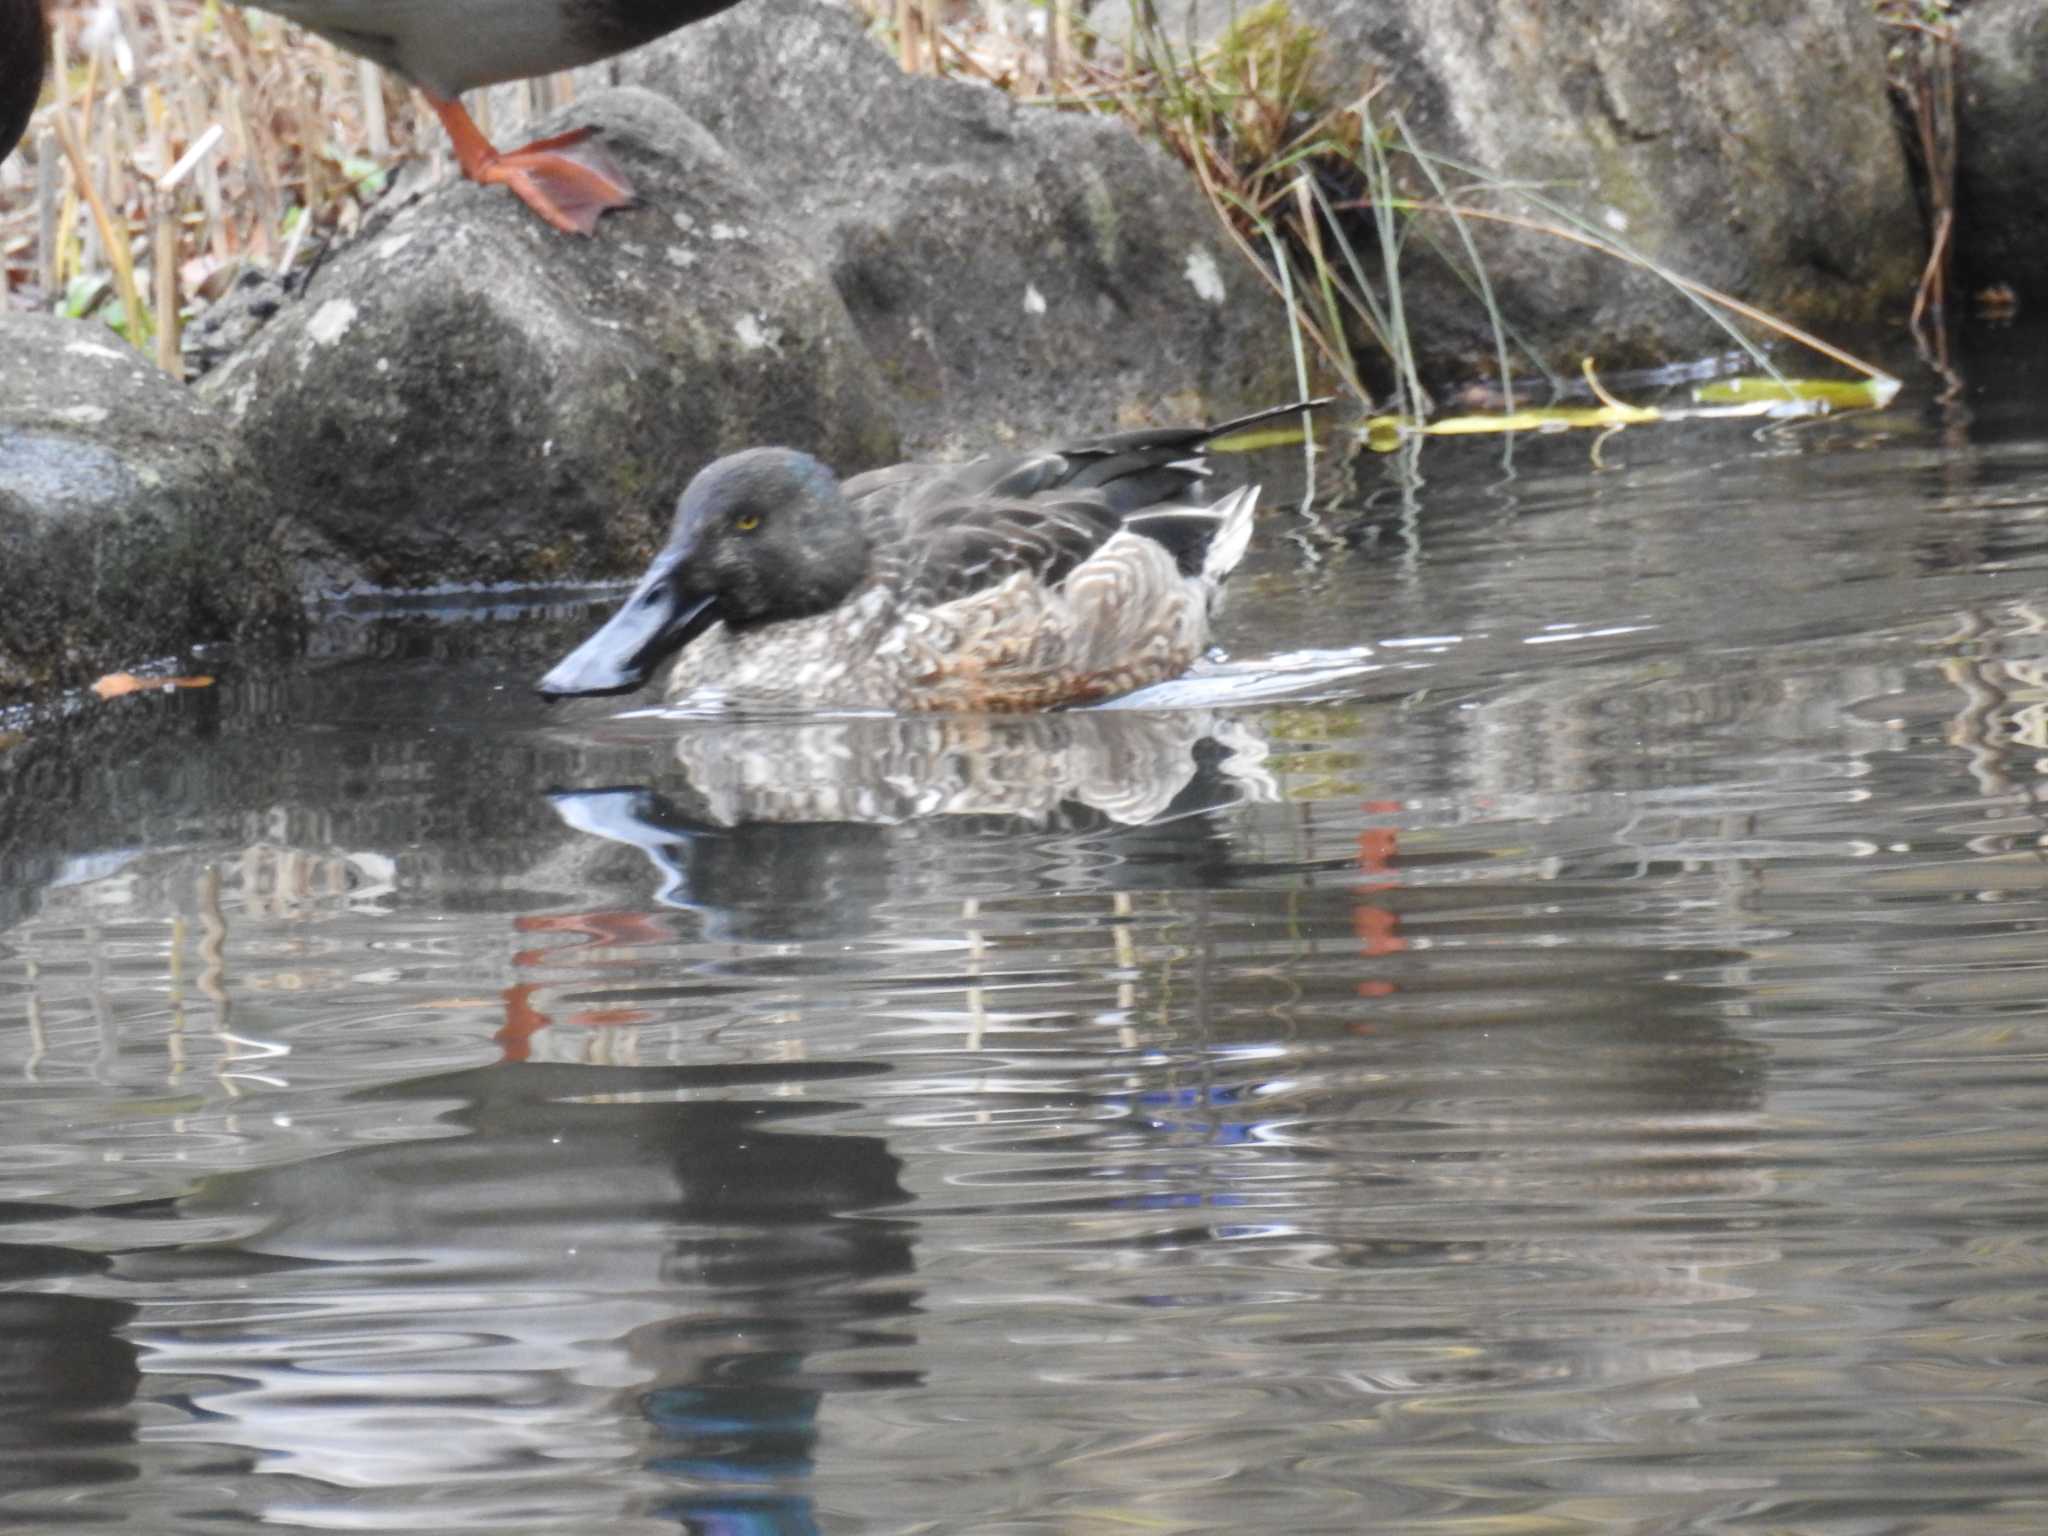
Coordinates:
566 180
568 189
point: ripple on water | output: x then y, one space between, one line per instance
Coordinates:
1548 1038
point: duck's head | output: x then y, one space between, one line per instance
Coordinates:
759 537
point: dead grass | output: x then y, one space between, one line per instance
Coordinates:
1921 72
179 139
1324 202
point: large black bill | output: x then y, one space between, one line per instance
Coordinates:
654 623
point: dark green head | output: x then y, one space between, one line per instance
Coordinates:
759 537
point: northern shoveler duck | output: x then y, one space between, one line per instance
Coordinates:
446 47
1014 582
24 51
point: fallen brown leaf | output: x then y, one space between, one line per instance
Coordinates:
115 684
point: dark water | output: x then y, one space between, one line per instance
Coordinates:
1552 1038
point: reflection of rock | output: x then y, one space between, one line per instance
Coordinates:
67 1377
1539 744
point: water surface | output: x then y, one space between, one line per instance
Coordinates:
1551 1036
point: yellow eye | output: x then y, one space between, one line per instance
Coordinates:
747 522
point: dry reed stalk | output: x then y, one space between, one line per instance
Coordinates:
113 239
1238 114
370 91
305 134
1923 81
164 261
46 213
1704 291
134 85
906 44
142 81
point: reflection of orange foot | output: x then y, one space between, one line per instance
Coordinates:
522 1022
564 179
601 929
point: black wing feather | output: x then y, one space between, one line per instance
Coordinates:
1187 533
1130 469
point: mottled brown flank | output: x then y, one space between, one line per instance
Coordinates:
24 48
606 27
965 686
1127 620
962 693
1123 619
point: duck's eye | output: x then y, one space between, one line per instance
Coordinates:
747 522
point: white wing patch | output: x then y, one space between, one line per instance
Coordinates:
1234 536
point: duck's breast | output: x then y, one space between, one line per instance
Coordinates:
829 661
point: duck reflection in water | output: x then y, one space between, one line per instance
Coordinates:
612 1278
773 828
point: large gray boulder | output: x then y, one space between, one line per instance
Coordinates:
465 395
1748 146
2001 153
128 526
1015 272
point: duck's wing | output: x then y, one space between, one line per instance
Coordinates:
1206 540
956 529
953 551
882 490
1130 470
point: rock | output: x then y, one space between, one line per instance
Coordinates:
231 321
128 524
464 395
1749 146
2001 156
1016 272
